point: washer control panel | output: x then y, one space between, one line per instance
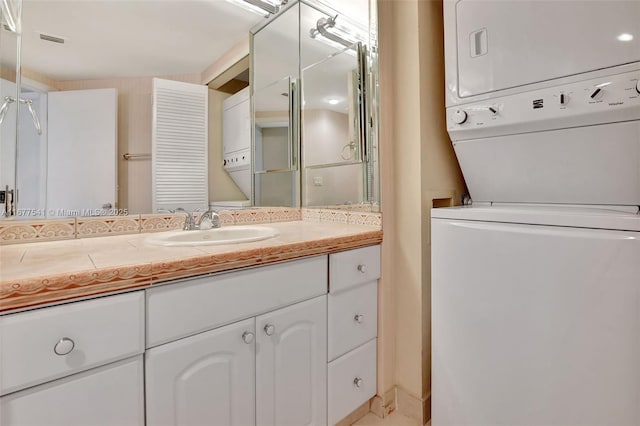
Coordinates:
596 101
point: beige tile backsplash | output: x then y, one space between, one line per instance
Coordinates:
18 231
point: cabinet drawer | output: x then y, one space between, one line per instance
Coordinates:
351 268
353 316
183 309
352 381
84 335
105 396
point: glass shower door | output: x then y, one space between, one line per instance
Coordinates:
9 93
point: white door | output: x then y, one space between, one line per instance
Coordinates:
291 365
534 325
206 379
82 151
105 396
179 146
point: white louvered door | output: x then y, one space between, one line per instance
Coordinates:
179 145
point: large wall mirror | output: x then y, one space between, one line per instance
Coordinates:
314 87
96 94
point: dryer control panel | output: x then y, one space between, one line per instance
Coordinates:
237 160
609 99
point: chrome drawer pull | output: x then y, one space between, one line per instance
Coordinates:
362 268
359 318
64 346
247 337
358 382
269 329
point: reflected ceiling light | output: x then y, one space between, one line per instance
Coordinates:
328 29
333 101
270 7
625 37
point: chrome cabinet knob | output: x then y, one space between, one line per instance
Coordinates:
269 329
362 268
64 346
248 337
358 382
359 318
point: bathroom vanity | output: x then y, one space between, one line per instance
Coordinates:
291 342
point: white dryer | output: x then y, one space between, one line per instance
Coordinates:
536 286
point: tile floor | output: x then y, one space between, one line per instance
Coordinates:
395 419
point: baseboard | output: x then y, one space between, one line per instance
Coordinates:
412 407
384 405
356 415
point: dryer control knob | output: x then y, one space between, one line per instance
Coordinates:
563 99
459 116
596 93
638 86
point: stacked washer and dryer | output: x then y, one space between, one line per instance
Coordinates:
536 285
236 145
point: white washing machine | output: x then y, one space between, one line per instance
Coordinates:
536 286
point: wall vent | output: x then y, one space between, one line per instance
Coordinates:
51 38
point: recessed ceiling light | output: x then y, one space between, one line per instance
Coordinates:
625 37
333 101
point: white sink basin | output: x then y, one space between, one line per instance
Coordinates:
209 237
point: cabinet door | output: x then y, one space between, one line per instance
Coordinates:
105 396
291 365
206 379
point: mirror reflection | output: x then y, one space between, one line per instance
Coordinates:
101 144
327 81
274 146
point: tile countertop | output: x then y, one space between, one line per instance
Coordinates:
33 274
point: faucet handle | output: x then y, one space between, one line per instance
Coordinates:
189 221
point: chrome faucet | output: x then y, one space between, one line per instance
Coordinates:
212 215
190 223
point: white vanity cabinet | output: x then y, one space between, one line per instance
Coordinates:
291 365
203 379
240 348
74 364
353 326
292 343
213 377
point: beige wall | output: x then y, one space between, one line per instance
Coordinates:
418 165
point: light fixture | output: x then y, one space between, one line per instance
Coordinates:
625 37
333 101
270 7
329 30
